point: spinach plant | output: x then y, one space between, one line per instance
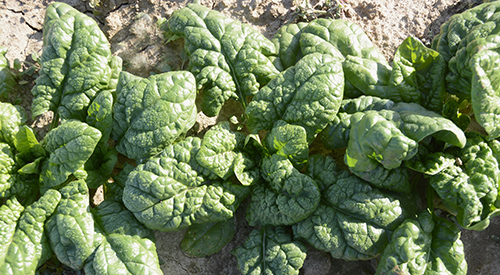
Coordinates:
321 84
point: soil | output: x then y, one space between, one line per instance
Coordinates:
130 26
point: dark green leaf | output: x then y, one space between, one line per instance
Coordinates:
76 64
270 251
151 113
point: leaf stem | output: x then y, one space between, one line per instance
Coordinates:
55 121
430 198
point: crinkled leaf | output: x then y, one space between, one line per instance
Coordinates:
24 249
308 94
7 170
451 110
246 169
336 134
205 239
9 215
397 179
228 58
324 170
99 114
289 141
69 146
485 90
7 81
127 247
71 228
270 251
461 38
287 198
76 64
468 42
287 43
426 245
470 191
338 38
430 163
151 113
11 118
365 103
170 191
219 150
354 220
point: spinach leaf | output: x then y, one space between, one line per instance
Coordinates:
27 248
470 191
151 113
270 251
308 94
287 43
7 81
469 46
426 245
172 191
338 38
71 228
76 64
353 220
288 198
205 239
69 146
124 246
228 58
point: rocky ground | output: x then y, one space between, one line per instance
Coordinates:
130 26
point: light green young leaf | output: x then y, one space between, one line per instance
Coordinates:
11 118
289 141
418 75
